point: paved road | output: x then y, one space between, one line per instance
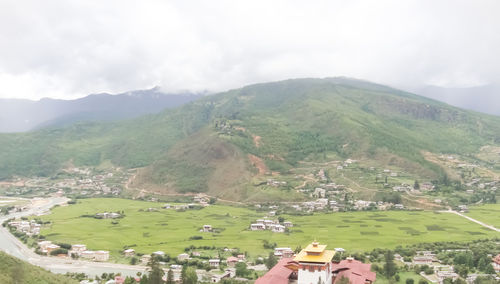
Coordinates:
14 247
473 220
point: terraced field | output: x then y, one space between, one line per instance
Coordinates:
171 231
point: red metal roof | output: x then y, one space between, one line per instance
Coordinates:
279 274
356 271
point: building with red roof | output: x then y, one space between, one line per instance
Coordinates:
356 271
315 263
279 274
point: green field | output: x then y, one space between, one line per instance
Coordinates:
487 213
170 230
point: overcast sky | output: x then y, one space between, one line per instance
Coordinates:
68 49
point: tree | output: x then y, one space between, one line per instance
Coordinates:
422 281
271 261
156 274
489 269
410 281
170 277
389 266
416 185
241 269
190 276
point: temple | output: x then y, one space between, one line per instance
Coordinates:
314 265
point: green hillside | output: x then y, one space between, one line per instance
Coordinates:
13 270
219 143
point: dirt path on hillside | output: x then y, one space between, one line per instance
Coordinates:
258 163
257 140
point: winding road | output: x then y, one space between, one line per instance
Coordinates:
11 245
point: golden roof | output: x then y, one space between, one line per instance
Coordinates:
315 253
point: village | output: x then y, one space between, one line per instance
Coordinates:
71 182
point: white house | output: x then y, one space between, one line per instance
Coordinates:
101 255
257 227
214 262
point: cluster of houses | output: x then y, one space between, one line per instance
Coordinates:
30 228
77 250
441 272
272 225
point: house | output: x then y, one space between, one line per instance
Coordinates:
78 248
88 254
207 228
288 224
241 257
52 247
129 252
399 206
145 259
278 229
182 257
166 206
422 259
257 227
158 253
283 252
447 274
496 263
43 245
196 253
101 255
231 261
214 262
272 213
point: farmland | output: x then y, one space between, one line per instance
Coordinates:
171 231
487 213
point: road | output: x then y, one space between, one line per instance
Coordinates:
14 247
471 219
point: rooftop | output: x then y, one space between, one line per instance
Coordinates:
315 253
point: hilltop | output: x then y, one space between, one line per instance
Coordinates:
230 143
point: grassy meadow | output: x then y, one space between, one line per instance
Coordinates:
170 231
487 213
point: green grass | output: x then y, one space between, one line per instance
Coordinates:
13 270
403 276
169 230
488 213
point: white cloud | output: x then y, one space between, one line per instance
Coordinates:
68 48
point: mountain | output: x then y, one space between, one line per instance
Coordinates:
24 115
482 98
13 270
226 143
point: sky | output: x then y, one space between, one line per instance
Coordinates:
68 49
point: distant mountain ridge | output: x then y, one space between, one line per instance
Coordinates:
25 115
